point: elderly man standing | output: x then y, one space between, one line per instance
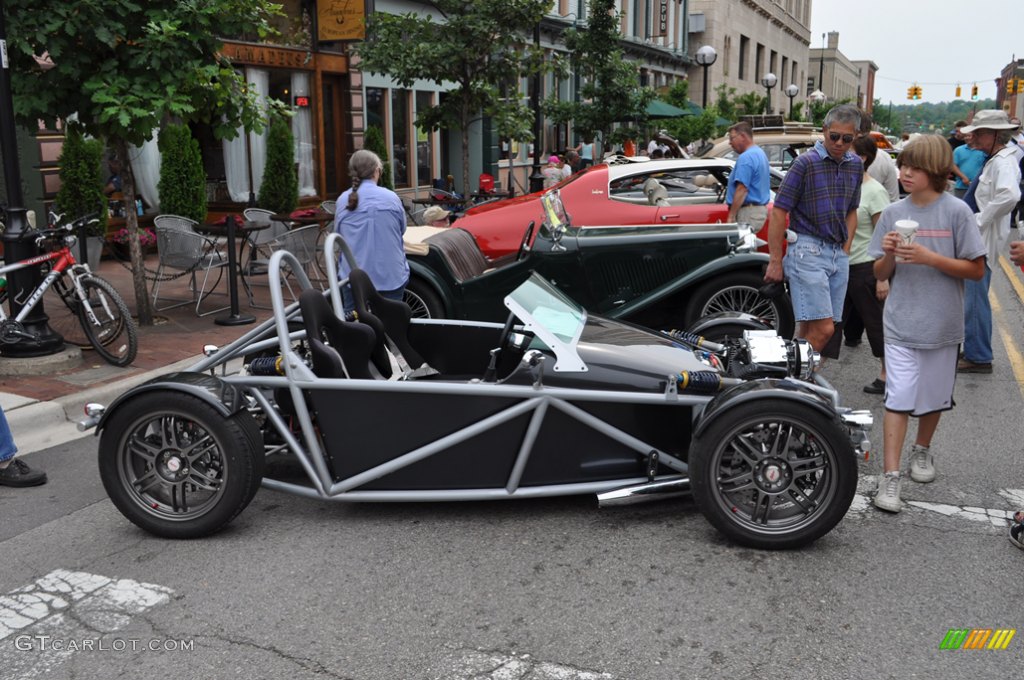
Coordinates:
749 182
996 191
819 198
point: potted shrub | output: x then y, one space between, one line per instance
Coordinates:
373 140
279 191
182 184
81 189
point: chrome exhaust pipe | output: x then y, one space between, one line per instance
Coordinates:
642 493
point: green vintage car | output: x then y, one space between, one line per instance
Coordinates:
658 276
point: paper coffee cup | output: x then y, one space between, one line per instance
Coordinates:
907 229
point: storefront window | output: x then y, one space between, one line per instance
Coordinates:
400 136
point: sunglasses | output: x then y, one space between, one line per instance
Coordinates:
835 137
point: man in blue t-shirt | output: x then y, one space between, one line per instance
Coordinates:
967 163
749 187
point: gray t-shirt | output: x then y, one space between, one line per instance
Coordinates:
925 308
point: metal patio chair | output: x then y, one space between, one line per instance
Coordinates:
189 253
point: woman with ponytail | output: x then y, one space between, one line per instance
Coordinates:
372 221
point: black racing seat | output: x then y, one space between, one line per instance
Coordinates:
389 318
351 344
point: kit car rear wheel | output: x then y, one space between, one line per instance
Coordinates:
773 474
739 292
176 467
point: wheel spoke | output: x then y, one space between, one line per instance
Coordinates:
763 503
178 502
780 443
204 482
199 448
803 501
138 446
153 481
740 482
750 452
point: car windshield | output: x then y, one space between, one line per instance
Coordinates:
552 317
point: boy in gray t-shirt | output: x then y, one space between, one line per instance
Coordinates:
924 319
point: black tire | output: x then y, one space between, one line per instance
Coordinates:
113 333
152 436
422 300
61 308
733 462
738 292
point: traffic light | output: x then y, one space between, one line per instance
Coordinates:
917 92
958 91
974 92
910 92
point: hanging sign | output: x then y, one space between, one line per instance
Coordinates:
341 20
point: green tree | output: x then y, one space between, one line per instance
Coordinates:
280 188
81 179
182 185
475 54
750 104
126 67
724 101
610 90
373 140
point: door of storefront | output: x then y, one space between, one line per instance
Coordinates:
335 175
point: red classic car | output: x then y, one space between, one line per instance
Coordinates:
622 192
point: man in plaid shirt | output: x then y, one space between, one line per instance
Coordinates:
819 198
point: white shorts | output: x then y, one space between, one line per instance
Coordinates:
919 381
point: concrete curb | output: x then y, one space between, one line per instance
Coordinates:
38 425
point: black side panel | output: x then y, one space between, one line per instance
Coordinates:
568 450
460 350
361 430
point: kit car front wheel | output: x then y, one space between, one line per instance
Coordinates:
176 467
773 474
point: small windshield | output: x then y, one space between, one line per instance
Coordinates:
553 317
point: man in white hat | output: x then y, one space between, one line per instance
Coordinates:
996 190
436 216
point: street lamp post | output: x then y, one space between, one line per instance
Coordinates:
791 91
20 282
536 177
821 65
706 56
769 81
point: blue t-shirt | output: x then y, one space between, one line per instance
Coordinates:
970 161
374 232
752 172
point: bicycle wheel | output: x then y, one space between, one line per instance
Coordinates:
107 322
61 307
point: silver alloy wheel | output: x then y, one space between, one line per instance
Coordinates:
774 475
172 467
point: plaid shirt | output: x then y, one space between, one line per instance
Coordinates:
818 192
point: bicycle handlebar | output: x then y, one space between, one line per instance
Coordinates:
40 234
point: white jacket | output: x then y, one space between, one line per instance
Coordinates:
998 191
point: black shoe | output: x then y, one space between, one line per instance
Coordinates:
852 342
968 366
877 387
18 473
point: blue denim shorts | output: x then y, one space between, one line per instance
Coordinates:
817 271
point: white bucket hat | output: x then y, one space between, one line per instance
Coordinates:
990 119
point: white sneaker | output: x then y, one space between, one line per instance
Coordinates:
922 464
888 496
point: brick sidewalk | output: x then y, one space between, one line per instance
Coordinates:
177 334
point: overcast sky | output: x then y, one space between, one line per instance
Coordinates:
935 43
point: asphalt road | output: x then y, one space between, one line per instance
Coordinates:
532 590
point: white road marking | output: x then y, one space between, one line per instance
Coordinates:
71 607
492 666
866 485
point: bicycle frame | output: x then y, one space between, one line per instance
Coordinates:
65 260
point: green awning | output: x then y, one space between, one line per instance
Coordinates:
660 109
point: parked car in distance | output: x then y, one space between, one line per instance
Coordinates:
658 275
781 144
622 191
